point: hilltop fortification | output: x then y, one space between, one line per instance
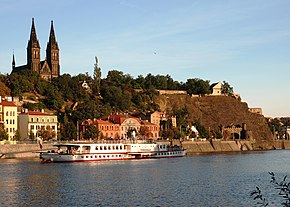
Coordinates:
215 112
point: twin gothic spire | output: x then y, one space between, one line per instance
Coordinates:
47 69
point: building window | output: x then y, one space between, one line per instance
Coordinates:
7 113
31 119
32 127
7 121
47 120
37 119
53 127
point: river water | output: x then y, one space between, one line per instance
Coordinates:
195 180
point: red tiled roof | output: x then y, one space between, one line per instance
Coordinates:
38 113
7 103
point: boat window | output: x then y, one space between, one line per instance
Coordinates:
104 156
82 156
120 147
105 147
101 148
119 155
117 147
95 156
109 147
97 147
108 155
113 147
100 156
87 156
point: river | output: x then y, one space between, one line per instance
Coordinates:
195 180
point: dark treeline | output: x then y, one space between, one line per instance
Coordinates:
72 102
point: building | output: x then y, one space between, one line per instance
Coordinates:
256 110
46 69
153 130
8 116
216 89
119 126
106 128
39 123
158 116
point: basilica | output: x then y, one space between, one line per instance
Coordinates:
46 69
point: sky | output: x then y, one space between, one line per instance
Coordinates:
245 43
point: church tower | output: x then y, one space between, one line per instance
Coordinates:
52 53
33 50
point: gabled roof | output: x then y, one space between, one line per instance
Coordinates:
36 113
7 103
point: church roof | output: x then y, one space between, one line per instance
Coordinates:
33 41
52 40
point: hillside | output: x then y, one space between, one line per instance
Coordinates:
216 111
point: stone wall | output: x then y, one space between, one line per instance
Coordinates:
22 150
217 146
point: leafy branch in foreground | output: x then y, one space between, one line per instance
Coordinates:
284 192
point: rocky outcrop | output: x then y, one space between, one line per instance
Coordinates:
213 112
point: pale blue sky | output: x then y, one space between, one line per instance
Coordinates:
246 43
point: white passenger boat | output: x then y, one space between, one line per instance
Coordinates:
84 152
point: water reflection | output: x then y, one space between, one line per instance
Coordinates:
197 180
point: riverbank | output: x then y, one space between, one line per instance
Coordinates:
32 150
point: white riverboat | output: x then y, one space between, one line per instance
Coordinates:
85 152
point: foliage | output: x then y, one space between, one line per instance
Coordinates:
276 127
3 133
17 136
92 132
227 89
283 191
97 78
197 86
68 130
31 135
4 90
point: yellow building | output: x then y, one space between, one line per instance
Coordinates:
39 123
8 116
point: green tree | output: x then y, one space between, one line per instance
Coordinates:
92 132
227 89
17 136
97 78
3 133
197 86
68 130
31 135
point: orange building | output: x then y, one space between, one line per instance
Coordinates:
107 128
153 130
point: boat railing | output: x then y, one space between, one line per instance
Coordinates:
122 141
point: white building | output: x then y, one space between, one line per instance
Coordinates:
37 122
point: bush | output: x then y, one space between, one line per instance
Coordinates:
282 187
